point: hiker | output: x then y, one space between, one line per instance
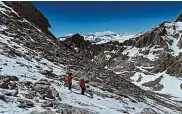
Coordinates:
69 80
82 85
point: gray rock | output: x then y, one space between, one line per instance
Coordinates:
9 92
148 111
44 112
44 87
28 58
30 95
8 78
8 82
155 84
47 103
4 85
146 52
28 84
41 82
12 85
44 90
71 110
2 97
54 92
48 73
25 103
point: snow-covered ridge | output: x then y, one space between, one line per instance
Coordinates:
174 33
106 36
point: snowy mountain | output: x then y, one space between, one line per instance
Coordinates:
132 77
106 36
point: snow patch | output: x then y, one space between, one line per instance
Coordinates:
171 84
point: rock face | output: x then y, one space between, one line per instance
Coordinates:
179 18
27 10
77 41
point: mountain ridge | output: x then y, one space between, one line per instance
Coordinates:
105 36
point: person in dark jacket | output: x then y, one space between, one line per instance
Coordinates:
82 86
69 80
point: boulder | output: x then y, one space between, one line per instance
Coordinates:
8 82
43 82
9 92
9 78
2 97
148 111
67 109
30 95
4 85
54 92
146 52
48 73
181 86
49 103
44 112
28 84
45 89
25 103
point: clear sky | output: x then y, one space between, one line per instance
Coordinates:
84 17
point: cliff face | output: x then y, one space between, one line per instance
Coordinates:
179 18
27 10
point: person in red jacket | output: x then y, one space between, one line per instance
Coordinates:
82 85
69 80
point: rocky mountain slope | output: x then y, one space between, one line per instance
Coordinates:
151 61
34 64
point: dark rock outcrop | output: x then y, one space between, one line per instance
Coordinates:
155 85
77 41
179 18
2 97
8 82
27 10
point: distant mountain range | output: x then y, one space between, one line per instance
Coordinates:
106 36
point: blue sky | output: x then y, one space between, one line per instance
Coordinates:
84 17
